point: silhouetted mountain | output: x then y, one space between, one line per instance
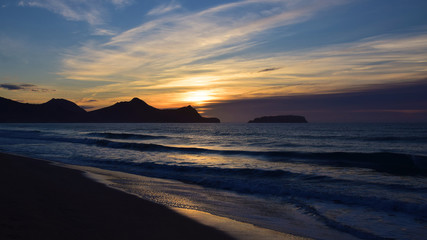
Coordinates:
60 110
280 119
55 110
123 112
138 111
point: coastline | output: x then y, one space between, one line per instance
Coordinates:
49 200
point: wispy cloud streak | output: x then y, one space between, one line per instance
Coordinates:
165 8
103 32
93 11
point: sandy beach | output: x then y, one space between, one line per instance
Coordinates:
43 201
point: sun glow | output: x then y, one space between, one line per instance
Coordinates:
199 97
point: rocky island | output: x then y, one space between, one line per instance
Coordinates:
280 119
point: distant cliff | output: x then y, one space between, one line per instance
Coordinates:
61 111
280 119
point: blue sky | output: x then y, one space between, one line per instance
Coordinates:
210 53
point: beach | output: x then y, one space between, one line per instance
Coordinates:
48 200
43 201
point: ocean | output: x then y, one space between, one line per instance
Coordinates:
323 181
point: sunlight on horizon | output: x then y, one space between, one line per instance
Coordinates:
198 98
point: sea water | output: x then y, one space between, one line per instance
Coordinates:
354 181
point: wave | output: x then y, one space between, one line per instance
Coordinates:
8 133
283 185
394 163
389 162
276 183
415 139
124 136
387 139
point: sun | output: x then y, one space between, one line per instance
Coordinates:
199 97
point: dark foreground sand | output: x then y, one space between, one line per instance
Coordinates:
39 200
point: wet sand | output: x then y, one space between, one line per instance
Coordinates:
136 184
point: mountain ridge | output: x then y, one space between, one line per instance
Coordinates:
62 111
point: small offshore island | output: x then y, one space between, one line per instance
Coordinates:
280 119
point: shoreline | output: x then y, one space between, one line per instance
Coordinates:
237 229
203 225
44 201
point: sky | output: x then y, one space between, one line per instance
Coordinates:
329 60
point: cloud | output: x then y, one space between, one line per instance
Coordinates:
269 69
87 11
85 100
13 86
24 87
122 3
174 55
92 12
168 45
164 8
103 32
86 107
